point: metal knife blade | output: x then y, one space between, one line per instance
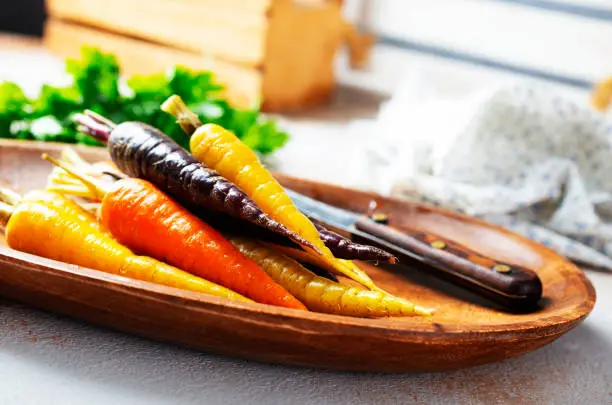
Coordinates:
320 211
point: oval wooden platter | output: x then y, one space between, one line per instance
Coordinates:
464 332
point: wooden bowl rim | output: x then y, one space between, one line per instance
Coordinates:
418 329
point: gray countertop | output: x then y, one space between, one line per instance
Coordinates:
54 360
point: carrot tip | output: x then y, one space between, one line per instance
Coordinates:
312 246
427 312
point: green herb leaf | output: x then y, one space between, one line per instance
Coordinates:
265 137
12 99
192 86
49 128
60 102
96 86
242 120
96 76
147 88
14 106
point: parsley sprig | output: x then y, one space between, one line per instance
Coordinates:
96 85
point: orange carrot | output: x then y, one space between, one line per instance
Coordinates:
50 225
146 220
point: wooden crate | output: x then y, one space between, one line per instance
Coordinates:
277 51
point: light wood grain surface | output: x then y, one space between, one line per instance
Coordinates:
55 360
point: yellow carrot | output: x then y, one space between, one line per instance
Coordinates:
49 225
222 151
323 295
316 260
143 218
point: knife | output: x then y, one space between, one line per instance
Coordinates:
513 287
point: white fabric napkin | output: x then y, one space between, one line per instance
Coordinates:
519 155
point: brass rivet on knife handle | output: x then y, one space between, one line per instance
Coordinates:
380 218
502 268
437 244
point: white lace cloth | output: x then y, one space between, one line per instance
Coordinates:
519 155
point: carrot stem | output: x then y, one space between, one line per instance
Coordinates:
74 191
97 189
186 118
71 156
115 176
94 126
101 119
5 214
9 196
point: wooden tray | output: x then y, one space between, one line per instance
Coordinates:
464 332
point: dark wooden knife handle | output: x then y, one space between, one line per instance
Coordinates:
512 286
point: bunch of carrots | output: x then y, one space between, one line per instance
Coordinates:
161 214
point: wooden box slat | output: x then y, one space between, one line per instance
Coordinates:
278 51
302 42
227 32
243 85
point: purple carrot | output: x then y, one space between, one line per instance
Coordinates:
142 151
